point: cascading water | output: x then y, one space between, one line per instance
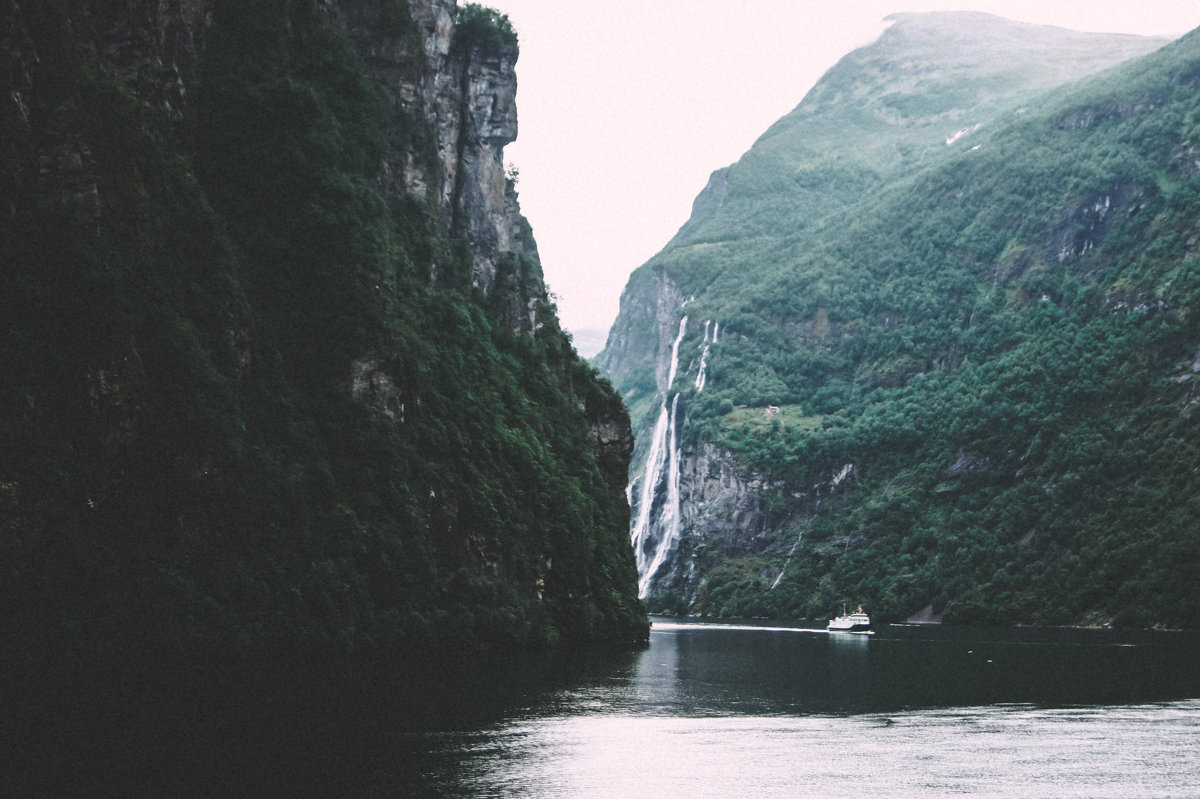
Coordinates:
662 455
650 478
668 520
701 373
675 355
833 483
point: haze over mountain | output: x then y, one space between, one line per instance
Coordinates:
928 346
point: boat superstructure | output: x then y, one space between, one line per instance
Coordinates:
857 622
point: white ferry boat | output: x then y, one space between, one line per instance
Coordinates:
857 622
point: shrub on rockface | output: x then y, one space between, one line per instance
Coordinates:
483 30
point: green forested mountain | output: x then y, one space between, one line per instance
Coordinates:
940 353
273 375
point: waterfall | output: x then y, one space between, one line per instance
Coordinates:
701 373
663 452
650 479
668 520
787 560
675 357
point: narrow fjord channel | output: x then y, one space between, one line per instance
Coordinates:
707 709
745 709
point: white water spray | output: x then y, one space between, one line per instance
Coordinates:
668 521
663 452
650 476
702 373
675 357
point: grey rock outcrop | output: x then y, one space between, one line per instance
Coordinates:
467 95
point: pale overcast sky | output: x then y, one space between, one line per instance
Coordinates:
626 106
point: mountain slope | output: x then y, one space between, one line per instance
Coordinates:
966 383
931 86
280 367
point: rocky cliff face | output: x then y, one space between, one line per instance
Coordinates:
466 92
275 321
156 49
694 503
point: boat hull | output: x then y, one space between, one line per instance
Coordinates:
852 628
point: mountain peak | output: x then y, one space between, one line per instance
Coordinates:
891 106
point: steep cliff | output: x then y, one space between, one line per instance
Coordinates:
280 365
931 343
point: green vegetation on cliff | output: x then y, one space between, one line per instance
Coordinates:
484 29
188 312
1001 344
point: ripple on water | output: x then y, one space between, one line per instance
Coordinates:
999 751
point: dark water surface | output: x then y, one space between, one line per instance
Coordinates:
713 710
707 710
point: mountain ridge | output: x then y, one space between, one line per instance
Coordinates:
865 93
834 453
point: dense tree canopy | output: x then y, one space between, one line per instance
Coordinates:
186 464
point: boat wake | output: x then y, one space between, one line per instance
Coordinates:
660 626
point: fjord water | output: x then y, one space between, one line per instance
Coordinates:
706 710
910 711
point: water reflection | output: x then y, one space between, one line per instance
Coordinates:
1002 751
723 710
701 669
704 710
